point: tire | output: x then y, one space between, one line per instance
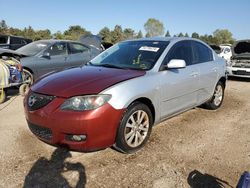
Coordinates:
28 77
24 89
217 98
2 96
136 130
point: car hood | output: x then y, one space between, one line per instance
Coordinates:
241 49
10 53
82 81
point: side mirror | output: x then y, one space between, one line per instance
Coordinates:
176 64
46 55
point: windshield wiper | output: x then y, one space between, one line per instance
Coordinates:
111 66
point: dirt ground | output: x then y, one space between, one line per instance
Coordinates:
199 148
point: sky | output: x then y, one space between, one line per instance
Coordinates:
200 16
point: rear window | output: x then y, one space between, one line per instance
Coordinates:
77 48
3 39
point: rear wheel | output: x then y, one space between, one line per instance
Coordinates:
135 128
2 95
217 99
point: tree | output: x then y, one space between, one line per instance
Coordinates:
167 34
117 34
223 36
139 35
186 35
195 35
75 32
128 33
105 33
3 27
154 27
58 35
180 34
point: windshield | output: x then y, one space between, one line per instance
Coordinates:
33 48
140 55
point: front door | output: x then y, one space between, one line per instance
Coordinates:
179 86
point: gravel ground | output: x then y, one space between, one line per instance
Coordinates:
199 148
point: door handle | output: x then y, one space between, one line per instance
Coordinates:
194 74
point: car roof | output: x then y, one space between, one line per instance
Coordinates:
169 39
56 40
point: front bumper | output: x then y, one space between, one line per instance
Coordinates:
53 126
238 72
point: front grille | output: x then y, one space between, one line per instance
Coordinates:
36 101
241 72
41 132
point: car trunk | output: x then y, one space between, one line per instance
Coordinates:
241 54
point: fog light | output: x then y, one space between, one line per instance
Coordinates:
76 138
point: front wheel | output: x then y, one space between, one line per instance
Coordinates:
217 98
135 128
28 77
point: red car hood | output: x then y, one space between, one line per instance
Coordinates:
82 81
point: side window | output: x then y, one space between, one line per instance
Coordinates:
181 50
201 53
77 48
14 40
23 41
58 49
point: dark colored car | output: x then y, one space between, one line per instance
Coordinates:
13 42
45 56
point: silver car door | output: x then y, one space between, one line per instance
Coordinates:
179 86
203 57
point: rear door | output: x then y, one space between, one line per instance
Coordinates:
78 54
179 86
208 68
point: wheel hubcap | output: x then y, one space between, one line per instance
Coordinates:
218 95
136 128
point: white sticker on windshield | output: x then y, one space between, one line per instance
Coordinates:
149 48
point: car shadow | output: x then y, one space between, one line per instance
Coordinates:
198 180
48 173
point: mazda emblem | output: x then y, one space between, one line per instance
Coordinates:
32 100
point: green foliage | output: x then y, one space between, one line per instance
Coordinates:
154 27
117 34
167 34
128 33
195 35
180 34
223 36
139 35
105 33
75 32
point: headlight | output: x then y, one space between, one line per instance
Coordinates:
87 102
